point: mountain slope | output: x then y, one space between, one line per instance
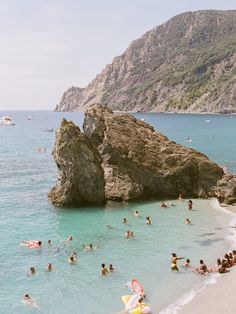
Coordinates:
188 64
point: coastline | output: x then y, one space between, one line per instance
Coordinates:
217 295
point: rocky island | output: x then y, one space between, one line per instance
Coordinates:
118 157
187 64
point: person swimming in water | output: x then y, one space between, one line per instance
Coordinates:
32 271
180 197
49 267
26 299
124 220
73 258
49 242
148 220
174 260
163 205
187 263
70 238
187 221
89 247
136 214
111 269
104 270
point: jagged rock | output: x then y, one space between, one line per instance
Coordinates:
81 176
226 188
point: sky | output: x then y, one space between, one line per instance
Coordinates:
47 46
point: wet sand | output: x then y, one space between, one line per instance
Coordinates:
218 298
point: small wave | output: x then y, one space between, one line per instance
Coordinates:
174 308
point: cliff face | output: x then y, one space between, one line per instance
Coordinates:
188 64
132 162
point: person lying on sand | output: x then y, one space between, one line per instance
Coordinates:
234 255
227 261
231 258
174 260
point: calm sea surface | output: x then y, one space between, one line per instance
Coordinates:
27 175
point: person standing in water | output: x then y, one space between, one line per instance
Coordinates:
104 270
190 205
49 267
174 260
148 220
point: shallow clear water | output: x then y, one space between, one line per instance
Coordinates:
25 213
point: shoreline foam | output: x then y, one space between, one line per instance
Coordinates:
212 301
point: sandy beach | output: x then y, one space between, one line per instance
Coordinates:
216 298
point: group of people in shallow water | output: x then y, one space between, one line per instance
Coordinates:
222 265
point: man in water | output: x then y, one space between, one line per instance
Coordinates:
124 220
163 205
73 258
136 214
174 260
104 270
49 267
111 269
70 238
148 220
190 205
187 222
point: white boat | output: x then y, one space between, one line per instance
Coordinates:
189 140
6 121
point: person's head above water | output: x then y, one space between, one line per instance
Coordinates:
91 246
174 254
201 261
188 260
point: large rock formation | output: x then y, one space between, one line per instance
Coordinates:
128 159
188 64
226 189
81 176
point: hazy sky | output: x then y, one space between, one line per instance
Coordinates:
47 46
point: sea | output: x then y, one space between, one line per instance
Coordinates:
28 172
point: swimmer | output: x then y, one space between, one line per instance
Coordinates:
70 238
124 220
89 247
127 234
187 263
109 227
49 267
148 220
111 269
104 270
171 204
32 271
32 244
49 242
187 222
131 235
73 258
174 260
136 214
163 205
180 197
28 300
190 205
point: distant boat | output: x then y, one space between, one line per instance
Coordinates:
48 130
29 118
188 140
208 121
6 121
142 119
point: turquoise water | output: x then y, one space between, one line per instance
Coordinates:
25 213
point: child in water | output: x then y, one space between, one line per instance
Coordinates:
148 220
